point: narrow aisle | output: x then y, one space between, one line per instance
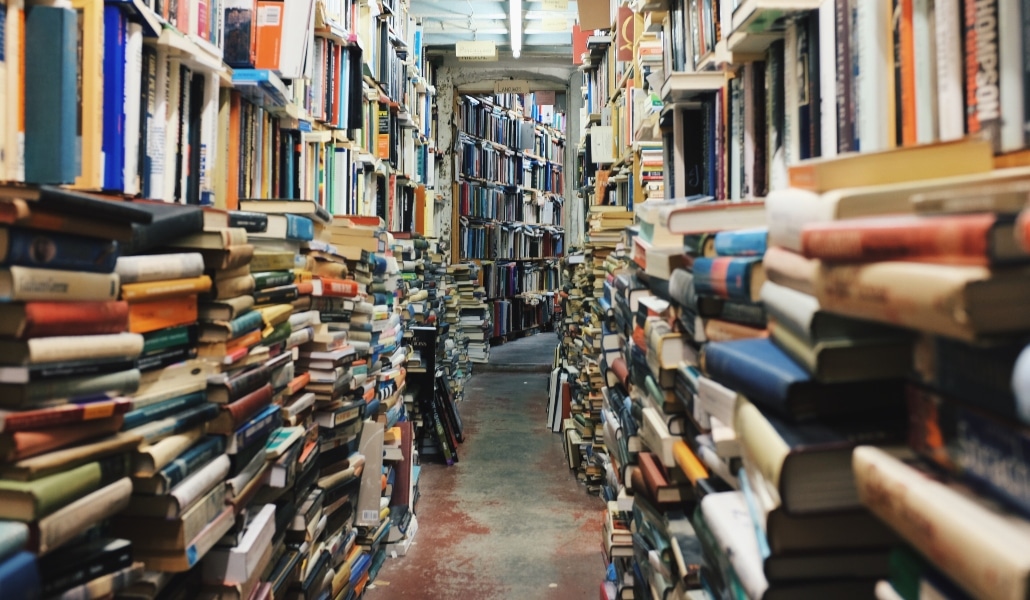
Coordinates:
509 520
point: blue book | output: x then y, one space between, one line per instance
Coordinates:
255 430
113 140
162 409
299 228
743 242
729 278
51 250
187 463
768 377
19 576
53 145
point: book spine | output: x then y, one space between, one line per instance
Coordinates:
965 237
299 228
42 249
159 267
51 43
975 551
45 371
28 420
80 387
983 108
741 243
1010 78
189 419
164 358
112 557
252 222
198 484
265 421
269 279
845 105
153 290
248 382
276 295
241 410
723 277
46 319
62 526
244 323
189 462
163 409
29 283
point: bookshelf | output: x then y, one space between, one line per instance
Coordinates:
244 369
787 123
509 204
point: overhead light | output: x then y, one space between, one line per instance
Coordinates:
515 26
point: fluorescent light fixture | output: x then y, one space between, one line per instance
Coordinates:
515 25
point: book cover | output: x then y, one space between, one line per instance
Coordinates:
52 146
145 317
159 267
32 500
51 250
32 283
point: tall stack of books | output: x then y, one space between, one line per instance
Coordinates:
460 282
69 370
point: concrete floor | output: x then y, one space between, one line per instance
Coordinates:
533 351
509 520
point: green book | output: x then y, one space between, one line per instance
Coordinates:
31 500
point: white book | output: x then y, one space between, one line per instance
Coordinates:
791 139
159 267
131 106
951 118
236 565
209 137
654 432
926 71
727 516
157 128
63 525
1010 73
873 101
714 400
828 78
196 485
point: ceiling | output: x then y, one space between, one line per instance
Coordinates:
448 21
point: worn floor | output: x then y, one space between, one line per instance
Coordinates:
509 520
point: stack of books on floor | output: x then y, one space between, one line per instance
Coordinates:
460 292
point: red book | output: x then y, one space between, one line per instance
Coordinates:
341 288
66 414
45 319
971 239
18 445
234 415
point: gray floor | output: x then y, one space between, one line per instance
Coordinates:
509 520
536 350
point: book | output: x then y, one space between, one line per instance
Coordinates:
846 359
32 283
985 552
51 250
221 239
27 374
52 40
57 461
305 208
19 575
287 227
153 315
178 561
963 302
759 370
226 309
18 445
63 525
168 288
708 217
237 564
69 348
185 494
29 501
731 278
972 239
159 533
180 467
232 416
39 393
80 563
930 161
46 319
148 460
159 267
13 538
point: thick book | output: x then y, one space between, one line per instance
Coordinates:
30 500
339 288
52 250
730 278
161 409
219 239
712 216
179 561
27 374
39 393
287 227
174 503
971 239
148 460
159 533
31 283
962 302
46 319
80 563
57 461
743 242
846 359
168 288
767 376
220 331
986 552
806 467
238 385
231 287
304 208
169 221
19 445
51 99
225 310
191 460
19 576
899 165
67 523
234 415
152 315
238 564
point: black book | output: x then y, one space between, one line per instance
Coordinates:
168 222
253 222
74 565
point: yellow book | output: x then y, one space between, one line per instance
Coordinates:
156 290
91 113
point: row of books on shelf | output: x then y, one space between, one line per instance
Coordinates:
765 393
197 402
500 240
504 166
493 122
522 314
484 201
503 280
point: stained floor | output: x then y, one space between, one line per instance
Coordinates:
509 520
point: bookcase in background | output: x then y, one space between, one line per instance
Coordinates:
509 204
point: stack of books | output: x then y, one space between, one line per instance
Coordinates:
68 372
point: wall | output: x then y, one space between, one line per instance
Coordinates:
542 74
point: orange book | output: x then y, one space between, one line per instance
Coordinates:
907 61
232 188
246 340
269 34
688 462
969 239
155 290
160 314
18 445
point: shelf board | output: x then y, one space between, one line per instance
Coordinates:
757 16
682 87
263 87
